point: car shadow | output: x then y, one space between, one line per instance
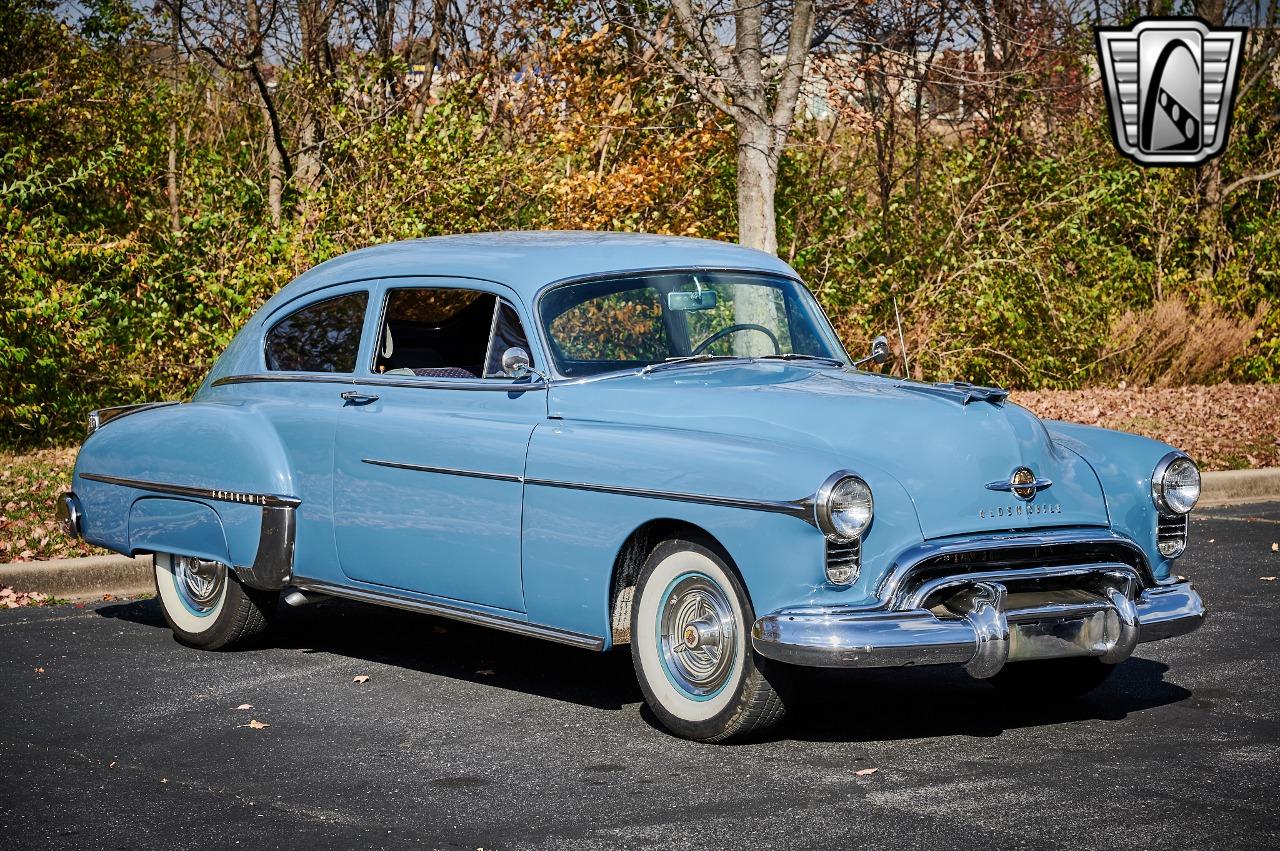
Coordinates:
823 705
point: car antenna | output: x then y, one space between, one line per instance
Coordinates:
902 341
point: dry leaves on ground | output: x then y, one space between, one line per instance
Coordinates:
1223 426
360 678
866 772
10 599
255 724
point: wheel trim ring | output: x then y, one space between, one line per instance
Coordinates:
699 674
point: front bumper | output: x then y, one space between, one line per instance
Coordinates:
983 625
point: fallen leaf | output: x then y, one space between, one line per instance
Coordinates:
1267 578
360 678
1211 540
245 706
112 765
164 779
484 672
1275 548
254 724
866 772
39 670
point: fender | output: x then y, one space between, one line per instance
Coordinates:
225 458
1124 464
589 485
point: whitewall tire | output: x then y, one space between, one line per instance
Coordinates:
691 646
206 606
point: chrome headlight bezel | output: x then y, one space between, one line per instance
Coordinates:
1158 489
823 501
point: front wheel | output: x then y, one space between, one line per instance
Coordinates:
691 646
206 606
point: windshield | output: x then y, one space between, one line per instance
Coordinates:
625 323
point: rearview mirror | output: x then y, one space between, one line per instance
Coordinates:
683 300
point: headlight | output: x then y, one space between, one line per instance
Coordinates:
843 507
1175 484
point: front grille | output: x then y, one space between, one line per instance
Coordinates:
844 562
1171 534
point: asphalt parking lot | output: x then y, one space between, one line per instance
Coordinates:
114 736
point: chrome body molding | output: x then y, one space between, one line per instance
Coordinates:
802 508
457 613
983 622
102 416
272 568
267 500
445 471
491 385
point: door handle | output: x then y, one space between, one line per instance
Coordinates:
355 397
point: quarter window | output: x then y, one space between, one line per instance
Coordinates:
321 337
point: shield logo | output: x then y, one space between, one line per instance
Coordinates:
1170 85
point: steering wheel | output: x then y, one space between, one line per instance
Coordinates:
733 329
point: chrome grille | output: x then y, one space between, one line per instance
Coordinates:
1171 534
844 560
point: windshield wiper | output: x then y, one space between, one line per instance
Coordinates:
653 367
797 356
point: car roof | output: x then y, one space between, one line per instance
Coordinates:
526 261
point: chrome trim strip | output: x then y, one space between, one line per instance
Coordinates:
930 587
425 382
458 613
270 377
447 471
802 508
267 500
100 417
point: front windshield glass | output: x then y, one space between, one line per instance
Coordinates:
601 326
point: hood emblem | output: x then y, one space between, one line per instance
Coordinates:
1022 482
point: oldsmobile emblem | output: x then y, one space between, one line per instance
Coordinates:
1022 483
1170 85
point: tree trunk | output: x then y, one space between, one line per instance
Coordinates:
757 228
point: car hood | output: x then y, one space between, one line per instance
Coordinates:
943 445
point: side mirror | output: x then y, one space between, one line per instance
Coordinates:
879 351
516 362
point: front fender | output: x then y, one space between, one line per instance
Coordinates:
572 534
1124 464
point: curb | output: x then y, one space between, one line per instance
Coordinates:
1225 487
80 579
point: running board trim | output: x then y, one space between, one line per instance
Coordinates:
457 613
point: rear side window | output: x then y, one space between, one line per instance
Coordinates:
321 337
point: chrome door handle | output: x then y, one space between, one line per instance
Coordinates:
355 397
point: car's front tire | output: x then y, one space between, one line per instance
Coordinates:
206 606
1053 679
691 646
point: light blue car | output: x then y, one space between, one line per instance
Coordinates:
602 439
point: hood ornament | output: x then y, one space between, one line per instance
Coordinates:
1022 482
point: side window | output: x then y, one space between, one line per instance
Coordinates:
446 333
321 337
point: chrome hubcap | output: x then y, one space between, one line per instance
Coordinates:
198 581
696 635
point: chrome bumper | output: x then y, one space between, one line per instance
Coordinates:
981 630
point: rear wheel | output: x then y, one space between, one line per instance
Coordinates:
206 606
1053 679
691 646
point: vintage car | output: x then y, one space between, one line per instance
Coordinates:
602 439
